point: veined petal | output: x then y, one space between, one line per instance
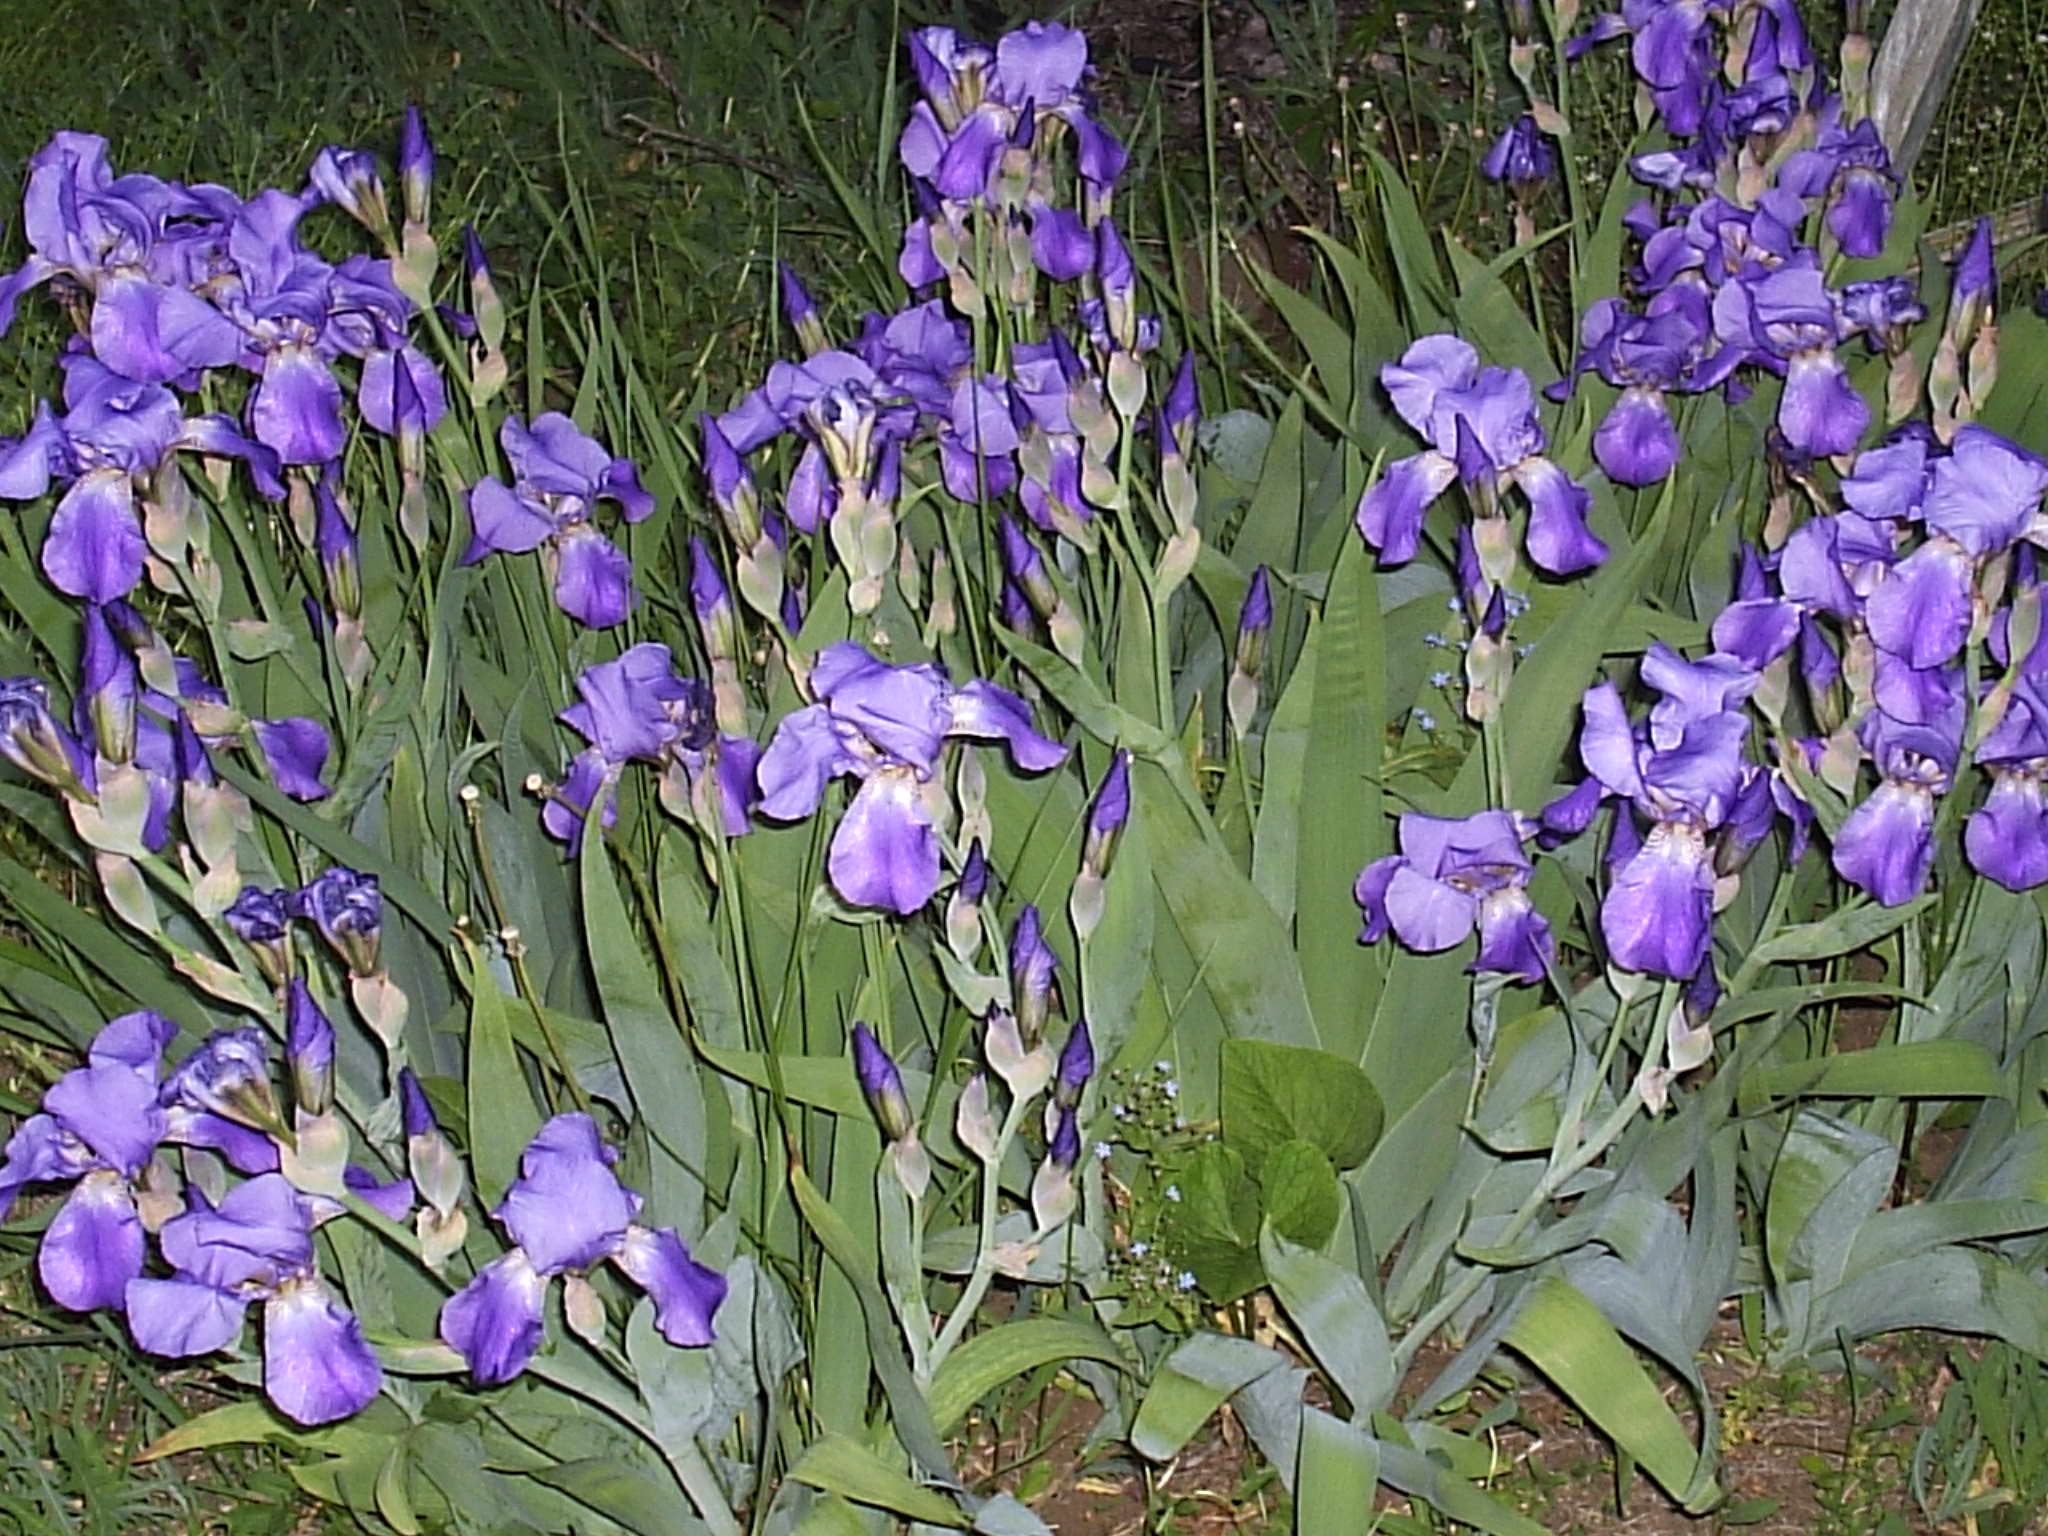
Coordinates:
593 580
1428 915
95 549
884 852
567 1209
2007 838
93 1247
1637 444
317 1367
1559 540
1606 744
503 522
1921 611
1820 412
494 1322
1886 846
296 407
1658 909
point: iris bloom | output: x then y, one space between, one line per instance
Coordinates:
568 1213
559 476
886 725
1682 775
1789 323
2007 837
1885 847
1482 427
1452 875
257 1246
114 435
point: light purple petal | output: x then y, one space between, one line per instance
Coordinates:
296 750
1606 744
182 1318
95 549
1428 915
1637 444
905 710
567 1209
1559 541
503 522
884 852
804 753
1820 412
113 1110
1886 846
295 409
93 1247
1921 611
317 1367
2007 838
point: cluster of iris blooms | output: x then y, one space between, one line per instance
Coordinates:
1872 651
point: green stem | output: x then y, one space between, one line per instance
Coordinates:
984 1267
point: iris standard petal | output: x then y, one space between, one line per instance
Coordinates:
802 756
296 750
1820 412
503 522
1391 511
567 1209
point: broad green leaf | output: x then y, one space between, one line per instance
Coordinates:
1850 928
1423 296
642 1503
1244 954
1565 1337
1301 1196
913 1416
1955 1290
249 1422
1337 1467
1904 1231
1829 1176
1421 1477
1193 1383
648 1039
838 1465
502 1118
1215 1223
1342 828
1337 1319
1919 1069
987 1360
1493 319
1275 1093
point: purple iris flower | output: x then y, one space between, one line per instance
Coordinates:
1032 964
257 1245
1790 323
2006 838
348 909
1883 309
567 1212
559 476
100 1125
1851 168
1682 774
348 178
882 1084
1521 156
1452 875
137 245
32 739
885 725
114 435
637 708
1886 846
401 391
1483 429
1644 356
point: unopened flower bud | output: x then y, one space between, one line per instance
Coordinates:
963 906
882 1085
1031 976
308 1050
1108 813
32 740
801 311
348 910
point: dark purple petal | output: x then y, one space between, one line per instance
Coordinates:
1820 412
296 750
2007 837
686 1294
1637 444
494 1322
1061 245
593 580
884 852
93 1246
1757 632
1559 541
401 390
1391 511
394 1200
1514 938
317 1367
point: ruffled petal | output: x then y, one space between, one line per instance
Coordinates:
686 1294
885 853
